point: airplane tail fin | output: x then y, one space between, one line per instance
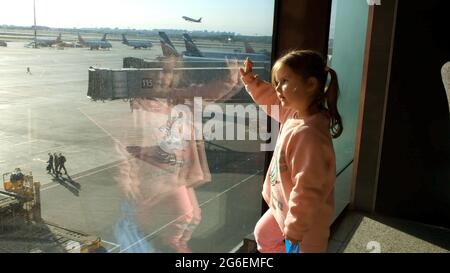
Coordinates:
187 37
191 47
168 51
200 20
167 47
124 39
80 39
165 38
58 39
104 37
248 48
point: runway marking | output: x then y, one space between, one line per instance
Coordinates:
236 248
234 186
111 243
101 128
12 93
40 160
26 142
48 150
88 174
29 125
114 248
204 203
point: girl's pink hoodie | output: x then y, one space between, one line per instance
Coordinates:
299 185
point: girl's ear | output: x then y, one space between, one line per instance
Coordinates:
312 84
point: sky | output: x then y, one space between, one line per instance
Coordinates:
247 17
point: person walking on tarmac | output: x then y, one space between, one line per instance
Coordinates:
62 161
56 163
50 168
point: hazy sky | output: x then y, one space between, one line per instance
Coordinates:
248 17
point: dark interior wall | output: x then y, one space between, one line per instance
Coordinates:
301 24
414 177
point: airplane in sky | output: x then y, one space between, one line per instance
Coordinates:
45 42
192 20
94 44
136 43
192 51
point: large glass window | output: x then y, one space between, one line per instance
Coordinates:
346 55
134 105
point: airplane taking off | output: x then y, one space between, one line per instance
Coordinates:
45 42
136 43
95 44
192 20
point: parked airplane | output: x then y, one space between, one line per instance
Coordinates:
136 43
3 43
95 44
192 20
167 46
192 51
63 44
248 48
45 42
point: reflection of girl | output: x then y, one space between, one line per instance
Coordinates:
300 182
163 190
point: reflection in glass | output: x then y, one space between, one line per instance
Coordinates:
167 163
135 182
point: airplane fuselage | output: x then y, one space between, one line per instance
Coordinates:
192 20
45 42
193 52
95 44
225 55
138 44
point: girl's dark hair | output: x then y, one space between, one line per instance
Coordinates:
308 63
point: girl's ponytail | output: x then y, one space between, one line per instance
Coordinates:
331 97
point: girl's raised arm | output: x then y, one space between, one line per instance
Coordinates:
262 92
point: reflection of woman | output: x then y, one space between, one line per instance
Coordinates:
160 174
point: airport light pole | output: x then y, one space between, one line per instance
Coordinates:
35 31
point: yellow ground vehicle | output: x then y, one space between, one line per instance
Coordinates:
18 182
23 230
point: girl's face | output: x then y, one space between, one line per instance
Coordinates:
292 90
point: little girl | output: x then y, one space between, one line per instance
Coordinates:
299 186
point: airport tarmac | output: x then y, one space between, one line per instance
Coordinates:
48 111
